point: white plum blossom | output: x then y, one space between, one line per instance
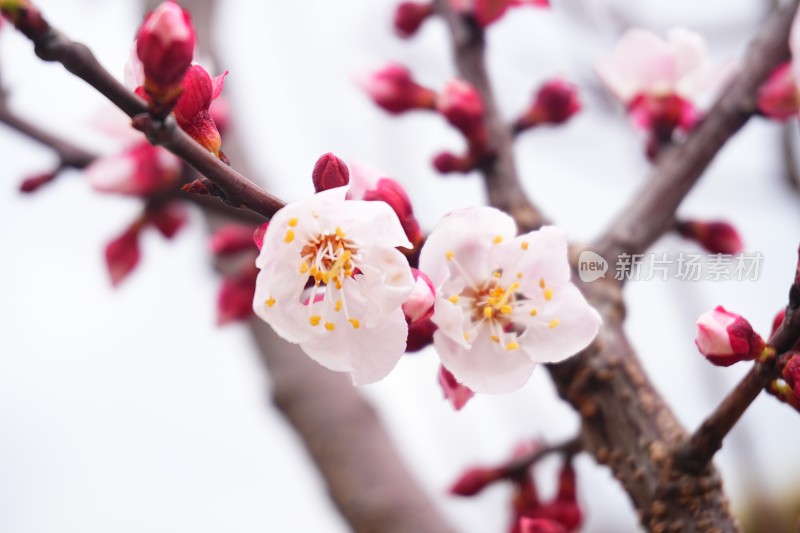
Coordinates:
332 281
643 63
504 303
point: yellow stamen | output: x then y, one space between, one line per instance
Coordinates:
303 267
524 245
488 311
338 305
553 323
326 277
548 294
330 326
270 302
289 237
355 323
541 283
339 232
495 338
519 275
533 312
450 255
506 309
512 346
498 239
497 274
337 266
454 299
466 336
314 320
293 222
507 294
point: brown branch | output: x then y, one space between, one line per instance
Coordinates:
652 208
519 467
698 451
502 182
52 45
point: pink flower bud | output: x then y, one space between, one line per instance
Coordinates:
447 162
778 97
716 236
393 89
456 393
420 335
165 45
231 239
122 254
330 172
461 105
33 183
410 16
475 480
419 304
168 219
539 525
555 102
235 298
726 338
390 191
193 109
141 170
258 235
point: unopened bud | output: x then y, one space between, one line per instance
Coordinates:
791 375
554 103
662 115
461 105
231 239
778 97
475 480
168 219
716 236
390 191
330 172
33 183
446 162
456 393
193 109
122 254
420 335
393 89
258 235
777 321
410 16
235 298
419 304
165 45
726 338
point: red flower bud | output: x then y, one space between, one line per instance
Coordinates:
193 109
235 298
716 236
461 105
539 525
456 393
554 103
475 480
726 338
168 219
390 191
662 115
165 45
33 183
393 89
778 97
330 172
232 239
420 335
410 16
419 304
791 375
122 254
446 162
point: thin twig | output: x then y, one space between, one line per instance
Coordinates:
520 466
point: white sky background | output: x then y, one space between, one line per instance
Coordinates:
128 410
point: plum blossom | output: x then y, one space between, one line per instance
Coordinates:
779 95
139 170
661 81
504 303
725 338
332 281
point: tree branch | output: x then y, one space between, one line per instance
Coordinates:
652 208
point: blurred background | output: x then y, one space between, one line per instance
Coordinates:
128 409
